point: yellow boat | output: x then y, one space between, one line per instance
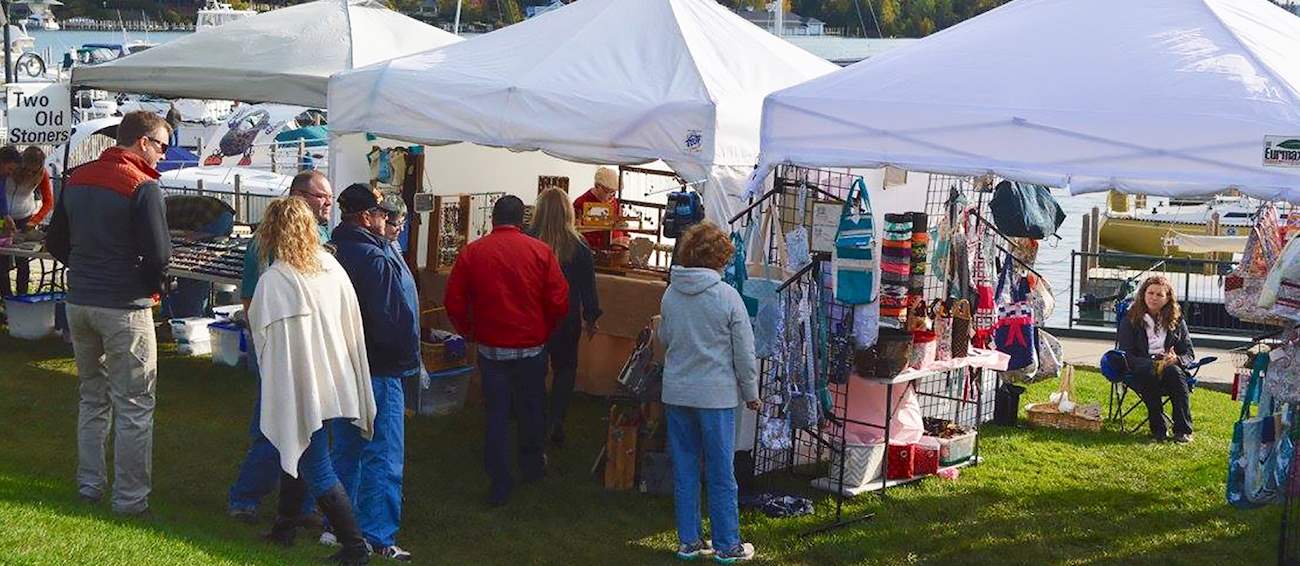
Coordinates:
1148 231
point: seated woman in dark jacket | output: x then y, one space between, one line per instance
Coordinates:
1154 337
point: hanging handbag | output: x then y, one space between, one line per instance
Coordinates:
1014 332
1260 446
924 347
854 259
736 273
1025 211
918 317
1042 298
1283 382
1244 284
866 324
942 330
961 328
887 358
985 312
798 252
839 350
1049 356
761 283
774 430
641 376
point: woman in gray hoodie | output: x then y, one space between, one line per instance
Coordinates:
709 370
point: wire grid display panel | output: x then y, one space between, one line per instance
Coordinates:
950 396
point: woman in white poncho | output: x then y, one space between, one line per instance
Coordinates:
306 326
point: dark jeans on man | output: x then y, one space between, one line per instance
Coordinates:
23 264
517 386
1172 383
563 351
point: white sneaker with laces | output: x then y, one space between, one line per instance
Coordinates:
745 552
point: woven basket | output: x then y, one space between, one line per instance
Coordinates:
1047 415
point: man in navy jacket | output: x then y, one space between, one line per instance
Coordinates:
372 471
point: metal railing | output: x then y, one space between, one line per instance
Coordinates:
1099 280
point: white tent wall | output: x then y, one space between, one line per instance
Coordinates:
1174 98
599 81
285 55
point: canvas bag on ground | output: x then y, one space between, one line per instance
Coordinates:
1014 333
854 259
1243 285
1025 211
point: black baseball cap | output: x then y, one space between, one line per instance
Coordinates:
358 197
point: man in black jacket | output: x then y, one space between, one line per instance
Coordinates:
110 229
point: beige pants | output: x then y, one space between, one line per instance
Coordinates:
117 363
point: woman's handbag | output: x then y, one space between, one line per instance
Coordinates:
888 357
737 273
1014 332
1049 356
1261 450
1283 382
854 260
774 430
942 330
924 346
984 317
866 324
1243 285
1042 298
918 317
961 328
1025 211
798 251
763 279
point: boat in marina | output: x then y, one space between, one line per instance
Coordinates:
1132 227
215 14
39 14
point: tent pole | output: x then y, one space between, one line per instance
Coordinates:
455 27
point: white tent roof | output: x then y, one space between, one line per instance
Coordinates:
597 81
1166 97
284 55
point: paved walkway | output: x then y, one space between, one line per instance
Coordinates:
1215 376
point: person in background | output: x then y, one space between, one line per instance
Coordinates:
307 329
110 229
1153 336
259 472
553 224
28 179
507 293
709 371
605 189
390 309
396 221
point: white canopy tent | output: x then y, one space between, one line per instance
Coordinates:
597 81
1162 97
284 55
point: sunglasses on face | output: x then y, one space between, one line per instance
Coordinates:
162 146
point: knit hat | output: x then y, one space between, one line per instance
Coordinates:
607 178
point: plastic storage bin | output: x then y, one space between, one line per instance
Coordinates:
31 317
228 344
193 329
957 449
446 393
864 460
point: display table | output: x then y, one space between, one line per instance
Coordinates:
48 280
628 304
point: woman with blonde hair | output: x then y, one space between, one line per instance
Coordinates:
311 352
1155 341
709 371
553 223
29 178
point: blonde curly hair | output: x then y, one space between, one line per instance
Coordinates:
705 245
288 233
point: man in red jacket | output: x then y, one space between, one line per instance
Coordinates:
506 293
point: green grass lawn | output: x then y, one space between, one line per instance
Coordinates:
1039 497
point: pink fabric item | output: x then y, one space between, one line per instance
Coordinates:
867 404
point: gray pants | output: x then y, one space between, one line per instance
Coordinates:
117 362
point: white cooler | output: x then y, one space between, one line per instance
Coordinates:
31 317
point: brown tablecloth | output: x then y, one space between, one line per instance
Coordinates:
628 303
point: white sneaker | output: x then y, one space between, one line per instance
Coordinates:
745 552
327 538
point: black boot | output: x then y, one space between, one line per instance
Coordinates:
337 509
293 492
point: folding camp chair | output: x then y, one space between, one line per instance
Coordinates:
1115 368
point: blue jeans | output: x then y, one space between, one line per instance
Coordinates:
314 467
259 475
708 435
517 386
371 471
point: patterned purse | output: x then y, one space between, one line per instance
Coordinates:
942 330
961 328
